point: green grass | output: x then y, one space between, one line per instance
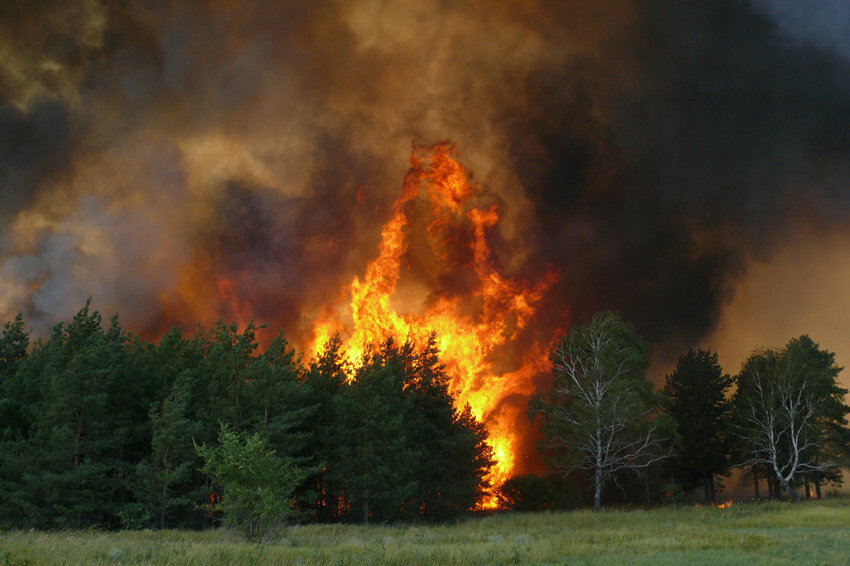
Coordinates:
764 533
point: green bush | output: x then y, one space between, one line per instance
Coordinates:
257 484
536 493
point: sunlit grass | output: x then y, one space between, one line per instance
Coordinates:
761 533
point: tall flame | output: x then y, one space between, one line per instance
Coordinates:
472 326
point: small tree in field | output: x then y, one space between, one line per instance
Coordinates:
257 484
597 417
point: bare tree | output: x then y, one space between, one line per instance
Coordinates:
598 415
787 401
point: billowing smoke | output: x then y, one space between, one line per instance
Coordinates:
186 161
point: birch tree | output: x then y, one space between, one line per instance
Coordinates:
788 405
598 417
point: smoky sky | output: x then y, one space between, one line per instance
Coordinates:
646 151
715 137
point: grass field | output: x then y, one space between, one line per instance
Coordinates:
759 533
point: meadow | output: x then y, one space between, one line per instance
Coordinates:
814 532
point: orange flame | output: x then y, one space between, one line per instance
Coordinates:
471 327
726 505
228 294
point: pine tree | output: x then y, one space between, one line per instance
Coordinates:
322 384
88 408
14 342
274 403
454 457
697 399
228 357
375 458
164 478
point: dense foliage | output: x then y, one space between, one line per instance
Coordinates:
97 427
791 414
785 424
697 398
599 416
257 484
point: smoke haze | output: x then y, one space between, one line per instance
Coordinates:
183 162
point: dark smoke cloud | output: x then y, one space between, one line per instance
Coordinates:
34 148
646 150
715 135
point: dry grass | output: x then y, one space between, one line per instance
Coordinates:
764 533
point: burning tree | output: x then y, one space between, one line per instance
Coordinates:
401 447
444 220
791 415
598 416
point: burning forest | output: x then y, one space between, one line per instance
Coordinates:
489 173
479 315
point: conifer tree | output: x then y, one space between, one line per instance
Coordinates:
164 478
697 398
376 459
322 384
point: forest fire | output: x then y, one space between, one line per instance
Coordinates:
472 325
202 169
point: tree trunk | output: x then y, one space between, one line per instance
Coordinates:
646 484
711 486
162 500
808 491
756 483
77 436
597 495
817 488
793 492
770 489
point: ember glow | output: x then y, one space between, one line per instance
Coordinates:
473 326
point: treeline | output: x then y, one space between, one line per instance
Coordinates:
99 427
782 418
